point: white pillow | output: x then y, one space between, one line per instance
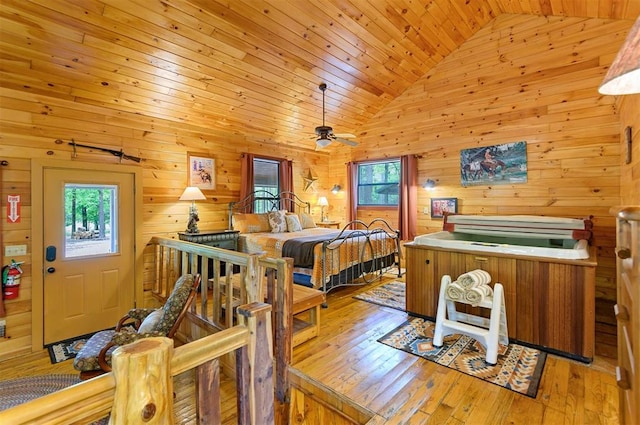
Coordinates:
307 221
277 221
149 323
293 223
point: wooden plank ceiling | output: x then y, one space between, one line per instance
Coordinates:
248 67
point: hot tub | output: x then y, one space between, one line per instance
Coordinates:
545 265
537 236
537 247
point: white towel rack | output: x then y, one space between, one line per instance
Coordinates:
488 331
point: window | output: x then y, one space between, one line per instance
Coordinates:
266 177
90 220
378 183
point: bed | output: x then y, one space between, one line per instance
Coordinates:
324 258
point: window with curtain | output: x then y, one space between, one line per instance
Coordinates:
272 175
378 183
266 177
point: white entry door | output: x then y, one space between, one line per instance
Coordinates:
88 242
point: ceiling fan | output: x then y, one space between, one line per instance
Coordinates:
325 133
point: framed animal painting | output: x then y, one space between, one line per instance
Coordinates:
201 171
498 164
439 206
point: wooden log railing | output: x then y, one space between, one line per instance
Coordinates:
139 389
231 278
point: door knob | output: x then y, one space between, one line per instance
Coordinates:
623 253
51 270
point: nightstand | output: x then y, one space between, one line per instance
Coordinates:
328 224
225 239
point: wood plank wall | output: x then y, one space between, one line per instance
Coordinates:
30 125
630 172
520 78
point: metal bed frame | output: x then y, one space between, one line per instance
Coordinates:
365 253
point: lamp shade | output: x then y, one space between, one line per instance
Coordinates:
335 189
192 193
322 201
624 74
323 142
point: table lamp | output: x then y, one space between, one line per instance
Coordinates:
192 194
322 201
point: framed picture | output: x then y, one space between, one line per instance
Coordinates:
441 205
491 165
201 171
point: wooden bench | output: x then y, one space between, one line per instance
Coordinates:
306 311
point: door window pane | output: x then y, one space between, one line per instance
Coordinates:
90 220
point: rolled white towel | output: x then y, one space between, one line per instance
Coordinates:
477 294
454 292
474 278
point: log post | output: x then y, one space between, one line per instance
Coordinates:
208 395
283 337
254 366
252 284
144 386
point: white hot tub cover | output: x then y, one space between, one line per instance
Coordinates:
520 225
528 235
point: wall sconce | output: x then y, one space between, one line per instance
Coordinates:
335 189
623 76
322 201
429 184
192 194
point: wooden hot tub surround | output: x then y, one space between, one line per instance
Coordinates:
550 303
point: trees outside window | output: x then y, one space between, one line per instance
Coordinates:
90 219
266 178
378 183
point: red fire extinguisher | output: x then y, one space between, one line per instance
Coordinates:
11 275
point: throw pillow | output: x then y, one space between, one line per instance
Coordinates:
149 323
251 223
239 222
277 221
293 223
307 221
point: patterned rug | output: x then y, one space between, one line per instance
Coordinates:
21 390
518 368
389 295
67 349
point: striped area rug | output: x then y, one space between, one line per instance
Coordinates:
518 368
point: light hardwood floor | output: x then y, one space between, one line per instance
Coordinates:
399 386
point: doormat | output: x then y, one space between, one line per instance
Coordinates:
390 294
67 349
518 368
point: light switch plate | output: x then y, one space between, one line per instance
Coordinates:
10 250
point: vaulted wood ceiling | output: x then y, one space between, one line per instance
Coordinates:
248 67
